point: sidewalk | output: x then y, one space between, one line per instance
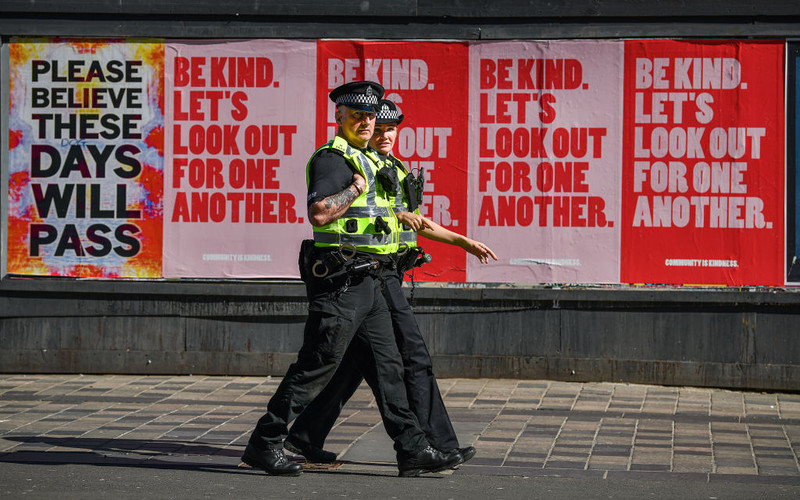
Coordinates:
527 428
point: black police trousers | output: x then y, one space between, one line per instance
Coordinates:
314 424
334 319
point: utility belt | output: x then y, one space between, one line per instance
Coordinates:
407 258
338 265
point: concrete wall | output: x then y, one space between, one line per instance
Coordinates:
723 338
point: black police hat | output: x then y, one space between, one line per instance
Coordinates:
387 113
360 95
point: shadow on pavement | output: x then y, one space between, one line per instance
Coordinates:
158 454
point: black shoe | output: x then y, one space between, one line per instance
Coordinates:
465 454
428 460
311 452
272 461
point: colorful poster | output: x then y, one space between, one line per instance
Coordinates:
85 158
545 146
240 117
428 82
703 171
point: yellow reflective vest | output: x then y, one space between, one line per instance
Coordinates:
374 202
400 202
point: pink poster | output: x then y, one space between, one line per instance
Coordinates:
545 154
240 118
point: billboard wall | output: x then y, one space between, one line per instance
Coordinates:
636 161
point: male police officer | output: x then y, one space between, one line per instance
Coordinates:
354 233
312 427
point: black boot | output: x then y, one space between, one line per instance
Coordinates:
428 460
272 461
311 452
465 454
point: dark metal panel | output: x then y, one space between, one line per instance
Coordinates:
777 339
526 333
144 362
607 8
415 8
775 377
260 335
642 28
93 333
340 8
234 28
389 28
154 289
25 333
57 305
694 336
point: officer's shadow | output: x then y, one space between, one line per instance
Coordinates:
158 454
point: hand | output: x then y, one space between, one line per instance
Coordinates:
479 250
359 183
416 222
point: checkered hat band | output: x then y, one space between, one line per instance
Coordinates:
357 99
387 114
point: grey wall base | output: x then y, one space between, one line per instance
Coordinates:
744 339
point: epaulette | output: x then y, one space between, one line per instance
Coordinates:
340 146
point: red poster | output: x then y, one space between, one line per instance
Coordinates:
703 163
428 82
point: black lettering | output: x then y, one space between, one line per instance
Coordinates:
124 234
122 204
100 158
41 234
131 161
40 97
95 210
37 150
95 72
110 127
52 197
75 161
130 127
39 67
115 73
95 234
69 241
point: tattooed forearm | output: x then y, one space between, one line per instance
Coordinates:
334 206
341 200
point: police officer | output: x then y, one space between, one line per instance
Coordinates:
312 427
354 233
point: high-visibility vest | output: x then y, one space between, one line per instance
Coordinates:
370 205
400 202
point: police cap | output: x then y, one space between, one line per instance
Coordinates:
387 113
361 95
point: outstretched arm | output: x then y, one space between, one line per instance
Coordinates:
334 206
435 232
416 222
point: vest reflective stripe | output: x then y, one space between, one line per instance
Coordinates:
409 238
354 239
368 174
371 204
400 202
354 212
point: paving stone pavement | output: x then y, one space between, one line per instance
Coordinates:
520 427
